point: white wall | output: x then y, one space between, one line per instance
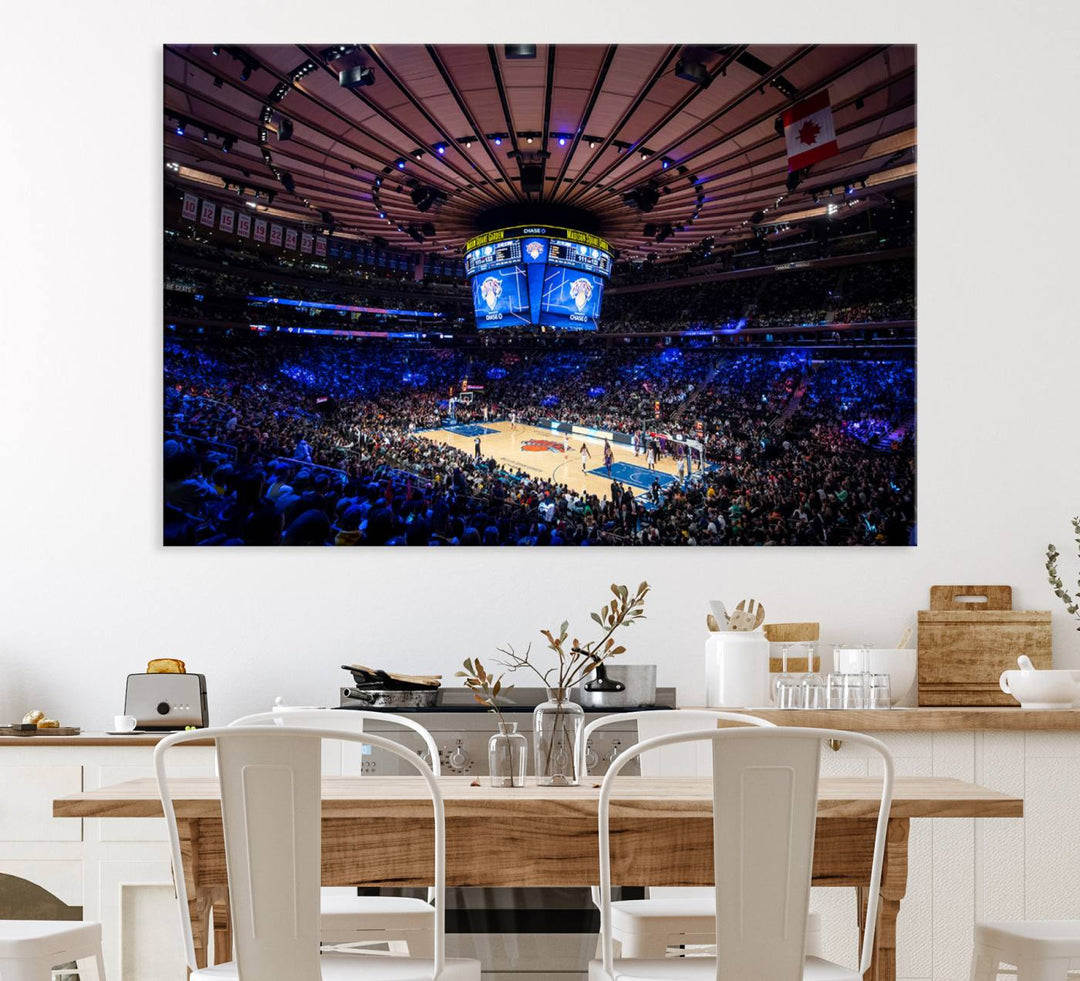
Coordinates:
87 594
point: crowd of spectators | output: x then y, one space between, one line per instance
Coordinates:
308 441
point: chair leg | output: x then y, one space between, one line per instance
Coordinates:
25 970
1049 970
984 965
421 943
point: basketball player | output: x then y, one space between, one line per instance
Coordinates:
637 444
476 449
609 458
682 466
585 455
650 458
513 421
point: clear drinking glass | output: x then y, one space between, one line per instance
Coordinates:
879 693
813 691
508 755
557 725
785 676
834 690
788 692
853 691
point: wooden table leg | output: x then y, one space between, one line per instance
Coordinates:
222 921
208 905
893 889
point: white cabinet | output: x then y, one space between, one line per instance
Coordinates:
26 801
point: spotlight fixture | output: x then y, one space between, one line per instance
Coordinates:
215 50
245 72
693 70
644 154
378 182
284 129
400 163
468 144
356 77
665 162
287 181
278 93
513 52
382 214
418 153
498 141
440 148
562 141
218 81
181 126
592 144
228 143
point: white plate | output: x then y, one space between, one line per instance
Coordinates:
126 732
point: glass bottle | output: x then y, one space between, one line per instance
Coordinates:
557 725
508 755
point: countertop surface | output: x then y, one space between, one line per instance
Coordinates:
854 720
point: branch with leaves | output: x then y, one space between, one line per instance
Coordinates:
577 660
1071 602
486 688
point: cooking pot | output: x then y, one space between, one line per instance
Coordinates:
619 686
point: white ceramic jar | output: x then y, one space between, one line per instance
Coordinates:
737 669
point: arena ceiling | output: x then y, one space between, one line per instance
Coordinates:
449 139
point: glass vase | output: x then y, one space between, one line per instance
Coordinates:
508 755
557 725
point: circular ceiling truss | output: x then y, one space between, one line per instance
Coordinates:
666 146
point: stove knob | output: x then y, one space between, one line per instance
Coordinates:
614 752
591 757
458 758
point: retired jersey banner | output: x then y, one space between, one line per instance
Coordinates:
228 220
190 210
243 224
275 235
290 238
260 229
320 246
306 242
808 129
206 216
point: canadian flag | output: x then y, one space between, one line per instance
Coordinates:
808 129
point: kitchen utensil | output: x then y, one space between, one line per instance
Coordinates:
1042 689
712 623
737 669
618 686
968 637
167 702
748 616
361 697
901 665
720 614
905 639
364 675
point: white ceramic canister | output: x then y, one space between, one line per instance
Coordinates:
737 669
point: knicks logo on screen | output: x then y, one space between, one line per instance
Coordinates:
490 290
534 250
581 291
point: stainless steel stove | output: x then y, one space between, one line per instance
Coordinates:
528 934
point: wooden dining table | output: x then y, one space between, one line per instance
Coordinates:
377 832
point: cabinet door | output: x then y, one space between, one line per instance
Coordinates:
26 803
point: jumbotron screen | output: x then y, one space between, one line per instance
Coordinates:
537 275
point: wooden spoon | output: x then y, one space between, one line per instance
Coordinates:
748 617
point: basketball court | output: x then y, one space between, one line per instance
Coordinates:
540 452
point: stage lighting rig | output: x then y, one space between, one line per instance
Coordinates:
693 70
515 52
356 77
284 129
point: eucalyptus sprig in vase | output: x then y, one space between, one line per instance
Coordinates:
508 750
558 722
1070 601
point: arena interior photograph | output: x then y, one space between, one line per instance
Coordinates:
539 294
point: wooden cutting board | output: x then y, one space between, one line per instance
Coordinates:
968 637
60 731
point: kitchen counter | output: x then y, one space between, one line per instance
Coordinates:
88 739
924 719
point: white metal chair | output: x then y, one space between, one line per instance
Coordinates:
346 917
673 916
1041 950
765 790
30 949
271 810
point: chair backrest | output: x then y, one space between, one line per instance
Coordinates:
765 791
271 809
347 720
685 760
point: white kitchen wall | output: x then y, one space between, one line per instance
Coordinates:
87 594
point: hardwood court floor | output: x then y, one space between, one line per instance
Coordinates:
545 459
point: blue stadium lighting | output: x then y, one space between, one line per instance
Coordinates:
181 127
440 149
498 141
382 214
562 141
400 163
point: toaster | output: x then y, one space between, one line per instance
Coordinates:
164 702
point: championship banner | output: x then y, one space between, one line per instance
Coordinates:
243 225
808 129
190 210
290 238
206 216
275 235
320 246
306 242
260 229
228 220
